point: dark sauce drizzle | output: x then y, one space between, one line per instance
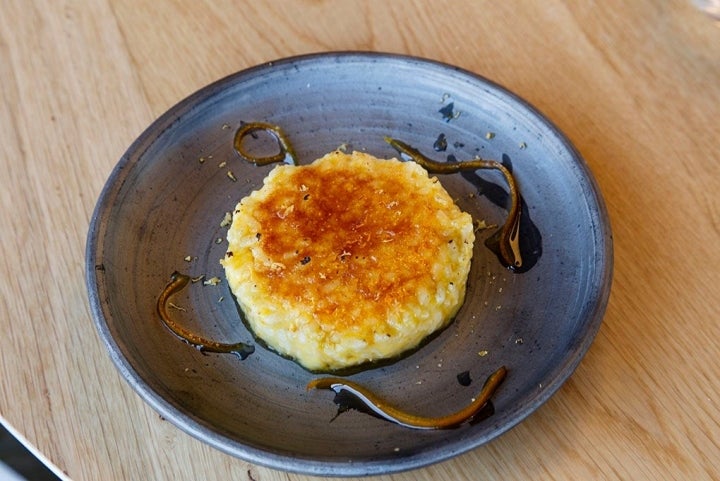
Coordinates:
505 243
177 283
507 250
382 409
531 244
286 153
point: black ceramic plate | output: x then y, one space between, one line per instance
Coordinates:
166 199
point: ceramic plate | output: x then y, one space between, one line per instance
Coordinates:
162 208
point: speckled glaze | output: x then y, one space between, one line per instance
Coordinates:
166 200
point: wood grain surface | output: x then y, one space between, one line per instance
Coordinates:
634 85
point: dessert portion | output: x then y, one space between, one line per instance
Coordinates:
348 260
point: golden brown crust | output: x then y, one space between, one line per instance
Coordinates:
363 230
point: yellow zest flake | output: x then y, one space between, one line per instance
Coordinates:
227 220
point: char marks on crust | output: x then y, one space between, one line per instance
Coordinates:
371 234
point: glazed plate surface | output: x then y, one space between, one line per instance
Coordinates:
162 208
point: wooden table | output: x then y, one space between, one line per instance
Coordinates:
634 85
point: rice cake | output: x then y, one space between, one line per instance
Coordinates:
348 260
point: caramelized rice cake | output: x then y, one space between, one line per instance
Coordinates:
348 260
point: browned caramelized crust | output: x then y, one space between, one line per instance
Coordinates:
337 231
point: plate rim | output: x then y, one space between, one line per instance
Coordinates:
304 465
